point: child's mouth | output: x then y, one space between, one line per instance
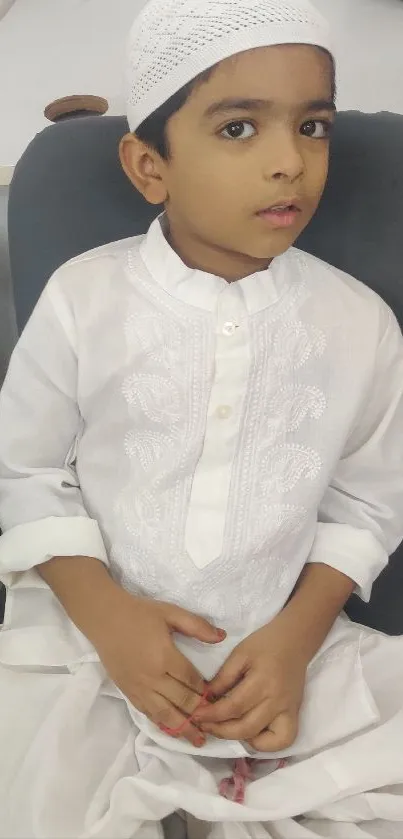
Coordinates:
280 215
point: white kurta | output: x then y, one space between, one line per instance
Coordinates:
206 440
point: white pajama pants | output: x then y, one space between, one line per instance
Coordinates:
77 761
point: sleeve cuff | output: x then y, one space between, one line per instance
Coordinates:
354 552
27 545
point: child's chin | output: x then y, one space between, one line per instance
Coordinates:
275 245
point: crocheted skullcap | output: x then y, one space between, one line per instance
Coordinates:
173 41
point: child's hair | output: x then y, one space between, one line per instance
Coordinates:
153 130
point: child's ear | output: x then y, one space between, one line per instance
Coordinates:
144 168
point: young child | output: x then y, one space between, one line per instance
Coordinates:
201 459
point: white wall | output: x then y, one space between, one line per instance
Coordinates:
4 7
369 46
51 48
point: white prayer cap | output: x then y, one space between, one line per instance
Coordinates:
173 41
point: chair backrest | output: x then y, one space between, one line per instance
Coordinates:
69 195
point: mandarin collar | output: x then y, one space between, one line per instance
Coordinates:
202 290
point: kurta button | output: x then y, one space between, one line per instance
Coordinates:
229 329
224 412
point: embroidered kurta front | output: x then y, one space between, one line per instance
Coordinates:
194 432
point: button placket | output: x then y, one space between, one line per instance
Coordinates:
212 479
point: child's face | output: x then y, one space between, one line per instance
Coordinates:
231 161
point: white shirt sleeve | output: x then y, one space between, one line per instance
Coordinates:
361 514
42 513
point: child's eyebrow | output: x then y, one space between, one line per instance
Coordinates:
227 105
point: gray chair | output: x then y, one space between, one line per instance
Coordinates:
69 195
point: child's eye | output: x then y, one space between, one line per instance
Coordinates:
239 130
318 129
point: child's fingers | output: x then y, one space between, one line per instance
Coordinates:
239 702
230 673
181 696
173 722
246 728
282 733
183 671
193 625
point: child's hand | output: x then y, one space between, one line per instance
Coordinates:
262 685
139 655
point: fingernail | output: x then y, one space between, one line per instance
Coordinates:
164 729
221 634
200 741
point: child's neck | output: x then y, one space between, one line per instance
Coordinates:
198 255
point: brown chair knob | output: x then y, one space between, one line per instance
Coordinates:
77 105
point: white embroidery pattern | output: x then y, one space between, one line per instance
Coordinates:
149 447
141 513
297 403
271 523
264 573
152 507
231 592
158 337
169 384
159 398
295 343
283 466
281 462
137 571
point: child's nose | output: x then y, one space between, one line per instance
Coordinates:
284 158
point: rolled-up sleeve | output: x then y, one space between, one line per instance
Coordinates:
42 513
360 519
